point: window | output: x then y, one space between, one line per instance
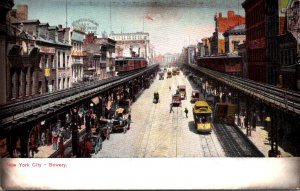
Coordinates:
52 59
58 59
64 60
68 57
40 87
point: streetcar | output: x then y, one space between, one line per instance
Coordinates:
202 113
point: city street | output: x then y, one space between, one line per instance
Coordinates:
155 132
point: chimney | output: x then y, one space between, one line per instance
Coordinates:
230 14
59 26
220 15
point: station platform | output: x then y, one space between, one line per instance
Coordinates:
260 139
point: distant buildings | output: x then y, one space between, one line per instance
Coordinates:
191 53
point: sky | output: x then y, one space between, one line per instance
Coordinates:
175 24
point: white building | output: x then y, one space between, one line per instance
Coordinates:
137 42
75 38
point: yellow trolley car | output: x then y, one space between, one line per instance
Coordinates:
202 116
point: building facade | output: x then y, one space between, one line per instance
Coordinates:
233 38
207 45
75 39
289 48
256 39
137 42
191 53
222 24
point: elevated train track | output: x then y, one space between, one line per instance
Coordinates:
284 99
16 114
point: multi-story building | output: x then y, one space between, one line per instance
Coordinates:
289 47
222 24
137 42
242 52
200 49
53 51
207 45
233 38
256 39
159 59
75 38
191 53
5 7
268 55
101 56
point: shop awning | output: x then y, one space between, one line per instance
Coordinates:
95 100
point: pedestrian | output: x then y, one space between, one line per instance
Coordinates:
236 119
186 112
254 121
61 147
43 138
242 121
171 108
88 147
169 88
55 140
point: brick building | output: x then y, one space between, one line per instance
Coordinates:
222 24
100 57
289 47
256 39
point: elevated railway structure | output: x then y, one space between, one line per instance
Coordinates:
278 109
16 114
18 119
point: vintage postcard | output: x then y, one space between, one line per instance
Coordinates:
150 94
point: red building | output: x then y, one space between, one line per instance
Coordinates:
256 40
222 24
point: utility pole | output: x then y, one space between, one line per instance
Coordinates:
66 13
110 16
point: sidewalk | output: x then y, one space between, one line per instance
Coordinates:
259 138
47 151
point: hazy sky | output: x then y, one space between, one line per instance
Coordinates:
176 23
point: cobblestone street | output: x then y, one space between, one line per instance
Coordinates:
155 132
